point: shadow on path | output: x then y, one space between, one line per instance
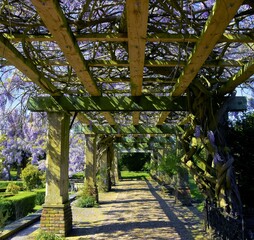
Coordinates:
134 210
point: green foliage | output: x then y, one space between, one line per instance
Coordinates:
4 184
13 188
86 201
22 204
42 235
170 164
79 175
131 175
31 177
40 196
6 211
134 161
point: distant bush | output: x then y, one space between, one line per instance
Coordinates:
79 175
31 177
42 235
86 201
13 188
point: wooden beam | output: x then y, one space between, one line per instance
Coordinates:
148 63
118 104
222 14
122 37
12 55
54 19
137 18
126 130
162 63
240 77
163 116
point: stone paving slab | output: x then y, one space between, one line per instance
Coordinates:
137 209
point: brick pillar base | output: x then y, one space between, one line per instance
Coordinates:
56 219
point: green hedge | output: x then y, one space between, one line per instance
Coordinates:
4 184
21 204
6 212
40 196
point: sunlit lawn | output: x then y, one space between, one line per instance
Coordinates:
133 175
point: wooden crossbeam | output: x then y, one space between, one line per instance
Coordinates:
54 19
119 104
147 63
240 77
122 37
126 130
161 63
222 14
9 52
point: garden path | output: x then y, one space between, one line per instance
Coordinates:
136 209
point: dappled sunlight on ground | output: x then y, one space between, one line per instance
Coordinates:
137 209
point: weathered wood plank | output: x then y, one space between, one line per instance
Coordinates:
222 14
9 52
240 77
122 37
54 19
119 104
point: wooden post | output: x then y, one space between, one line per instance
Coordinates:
56 214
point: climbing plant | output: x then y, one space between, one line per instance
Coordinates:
207 154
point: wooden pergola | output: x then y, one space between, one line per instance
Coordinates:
127 66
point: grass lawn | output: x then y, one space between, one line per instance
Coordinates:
134 175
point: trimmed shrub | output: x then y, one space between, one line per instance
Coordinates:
22 204
31 177
6 212
4 184
12 188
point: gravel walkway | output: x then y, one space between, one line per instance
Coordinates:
137 209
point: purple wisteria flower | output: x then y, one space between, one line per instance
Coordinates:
197 133
211 137
217 158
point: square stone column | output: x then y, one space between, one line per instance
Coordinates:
91 167
56 214
105 181
114 165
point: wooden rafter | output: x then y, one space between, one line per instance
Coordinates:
137 18
9 52
163 116
54 19
122 37
240 77
222 14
